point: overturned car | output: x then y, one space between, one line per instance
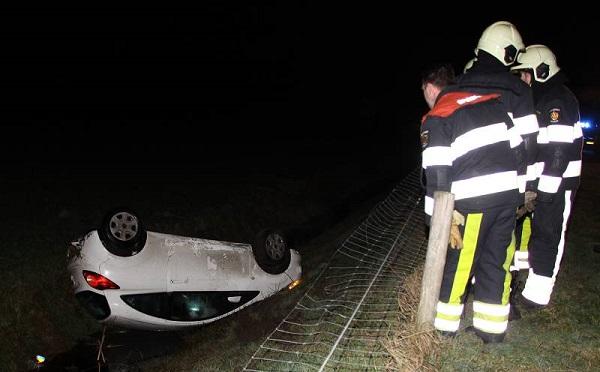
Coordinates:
126 276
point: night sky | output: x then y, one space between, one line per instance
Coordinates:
228 79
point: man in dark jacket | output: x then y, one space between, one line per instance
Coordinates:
496 51
560 142
467 150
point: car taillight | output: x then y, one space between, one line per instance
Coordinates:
98 281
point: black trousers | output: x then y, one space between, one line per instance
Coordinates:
548 233
487 252
487 249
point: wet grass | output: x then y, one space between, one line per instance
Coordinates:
566 335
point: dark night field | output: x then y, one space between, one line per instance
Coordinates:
46 206
214 121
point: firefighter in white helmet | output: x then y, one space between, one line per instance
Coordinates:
497 49
502 41
559 166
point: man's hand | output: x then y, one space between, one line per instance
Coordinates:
455 239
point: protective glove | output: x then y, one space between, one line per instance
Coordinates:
530 200
455 239
529 205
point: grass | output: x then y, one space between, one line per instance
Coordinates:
412 349
40 315
44 211
566 335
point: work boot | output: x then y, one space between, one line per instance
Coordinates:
514 313
490 338
526 304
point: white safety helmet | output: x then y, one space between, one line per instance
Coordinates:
502 40
540 59
469 64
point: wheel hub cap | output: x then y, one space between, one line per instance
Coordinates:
123 226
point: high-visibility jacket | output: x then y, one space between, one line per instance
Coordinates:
467 150
560 138
487 76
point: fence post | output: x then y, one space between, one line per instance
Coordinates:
436 258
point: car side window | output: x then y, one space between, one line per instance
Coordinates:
188 306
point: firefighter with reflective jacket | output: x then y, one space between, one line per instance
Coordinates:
467 141
496 51
560 142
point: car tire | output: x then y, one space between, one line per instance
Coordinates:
122 232
271 251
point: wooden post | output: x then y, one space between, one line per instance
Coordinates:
437 247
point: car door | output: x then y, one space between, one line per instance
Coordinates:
206 265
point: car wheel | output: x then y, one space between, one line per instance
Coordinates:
271 251
122 232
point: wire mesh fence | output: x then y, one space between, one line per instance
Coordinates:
341 321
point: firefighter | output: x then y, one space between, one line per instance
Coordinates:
559 166
524 214
466 140
497 49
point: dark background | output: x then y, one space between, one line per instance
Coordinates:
226 83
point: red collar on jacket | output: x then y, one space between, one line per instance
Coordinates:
451 102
